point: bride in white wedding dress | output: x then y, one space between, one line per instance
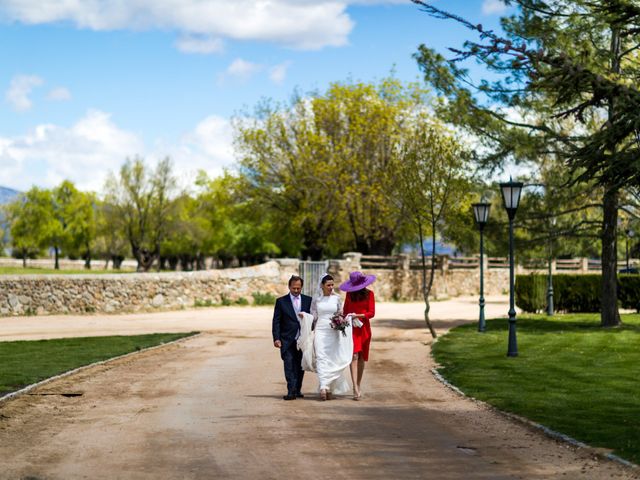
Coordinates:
333 350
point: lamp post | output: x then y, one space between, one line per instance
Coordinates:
630 233
550 276
511 199
481 214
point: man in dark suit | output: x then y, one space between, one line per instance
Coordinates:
285 330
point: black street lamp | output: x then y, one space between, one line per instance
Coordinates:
630 233
550 276
481 214
511 199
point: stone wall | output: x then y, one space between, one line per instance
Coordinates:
405 283
133 292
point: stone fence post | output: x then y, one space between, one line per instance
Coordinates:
444 264
404 262
584 265
352 260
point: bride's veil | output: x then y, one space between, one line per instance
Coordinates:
318 293
317 296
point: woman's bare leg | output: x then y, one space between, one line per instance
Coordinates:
354 375
360 371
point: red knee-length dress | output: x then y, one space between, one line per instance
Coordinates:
362 335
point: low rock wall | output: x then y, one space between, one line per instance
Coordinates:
134 292
406 285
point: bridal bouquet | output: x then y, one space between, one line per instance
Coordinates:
339 322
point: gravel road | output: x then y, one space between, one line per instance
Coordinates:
210 407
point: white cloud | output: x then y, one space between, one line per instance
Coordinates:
83 153
59 94
278 73
87 151
208 147
19 90
241 70
303 24
493 7
200 44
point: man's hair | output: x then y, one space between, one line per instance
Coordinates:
296 278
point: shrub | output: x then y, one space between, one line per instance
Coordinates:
225 301
242 301
629 291
263 298
198 302
576 293
573 293
531 292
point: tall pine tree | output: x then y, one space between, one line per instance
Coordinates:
558 60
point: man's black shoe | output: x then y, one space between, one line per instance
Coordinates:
299 395
289 397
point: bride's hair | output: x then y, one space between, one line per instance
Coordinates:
326 278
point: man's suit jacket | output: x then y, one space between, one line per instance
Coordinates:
285 321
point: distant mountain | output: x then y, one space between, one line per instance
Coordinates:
7 194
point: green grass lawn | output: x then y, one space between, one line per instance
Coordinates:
25 362
571 375
42 271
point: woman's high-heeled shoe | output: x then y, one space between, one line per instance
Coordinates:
323 395
356 395
329 396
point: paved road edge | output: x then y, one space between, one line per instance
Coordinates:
28 388
537 426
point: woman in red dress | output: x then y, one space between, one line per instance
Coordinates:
361 303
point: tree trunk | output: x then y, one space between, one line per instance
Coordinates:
24 260
87 259
312 252
117 261
144 258
57 254
426 288
609 316
381 245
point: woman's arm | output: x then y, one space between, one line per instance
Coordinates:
371 307
347 305
314 312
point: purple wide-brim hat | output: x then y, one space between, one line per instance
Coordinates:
357 281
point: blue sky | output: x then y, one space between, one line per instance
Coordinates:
87 84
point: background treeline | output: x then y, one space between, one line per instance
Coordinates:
355 168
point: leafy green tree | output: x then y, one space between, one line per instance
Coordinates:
188 240
111 241
286 167
239 225
558 60
83 226
432 182
75 212
365 126
141 203
32 223
322 165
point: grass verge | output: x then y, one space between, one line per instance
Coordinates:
571 375
25 362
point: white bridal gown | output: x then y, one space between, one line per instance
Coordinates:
333 351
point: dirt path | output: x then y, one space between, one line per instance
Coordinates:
211 407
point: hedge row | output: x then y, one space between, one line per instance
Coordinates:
573 293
